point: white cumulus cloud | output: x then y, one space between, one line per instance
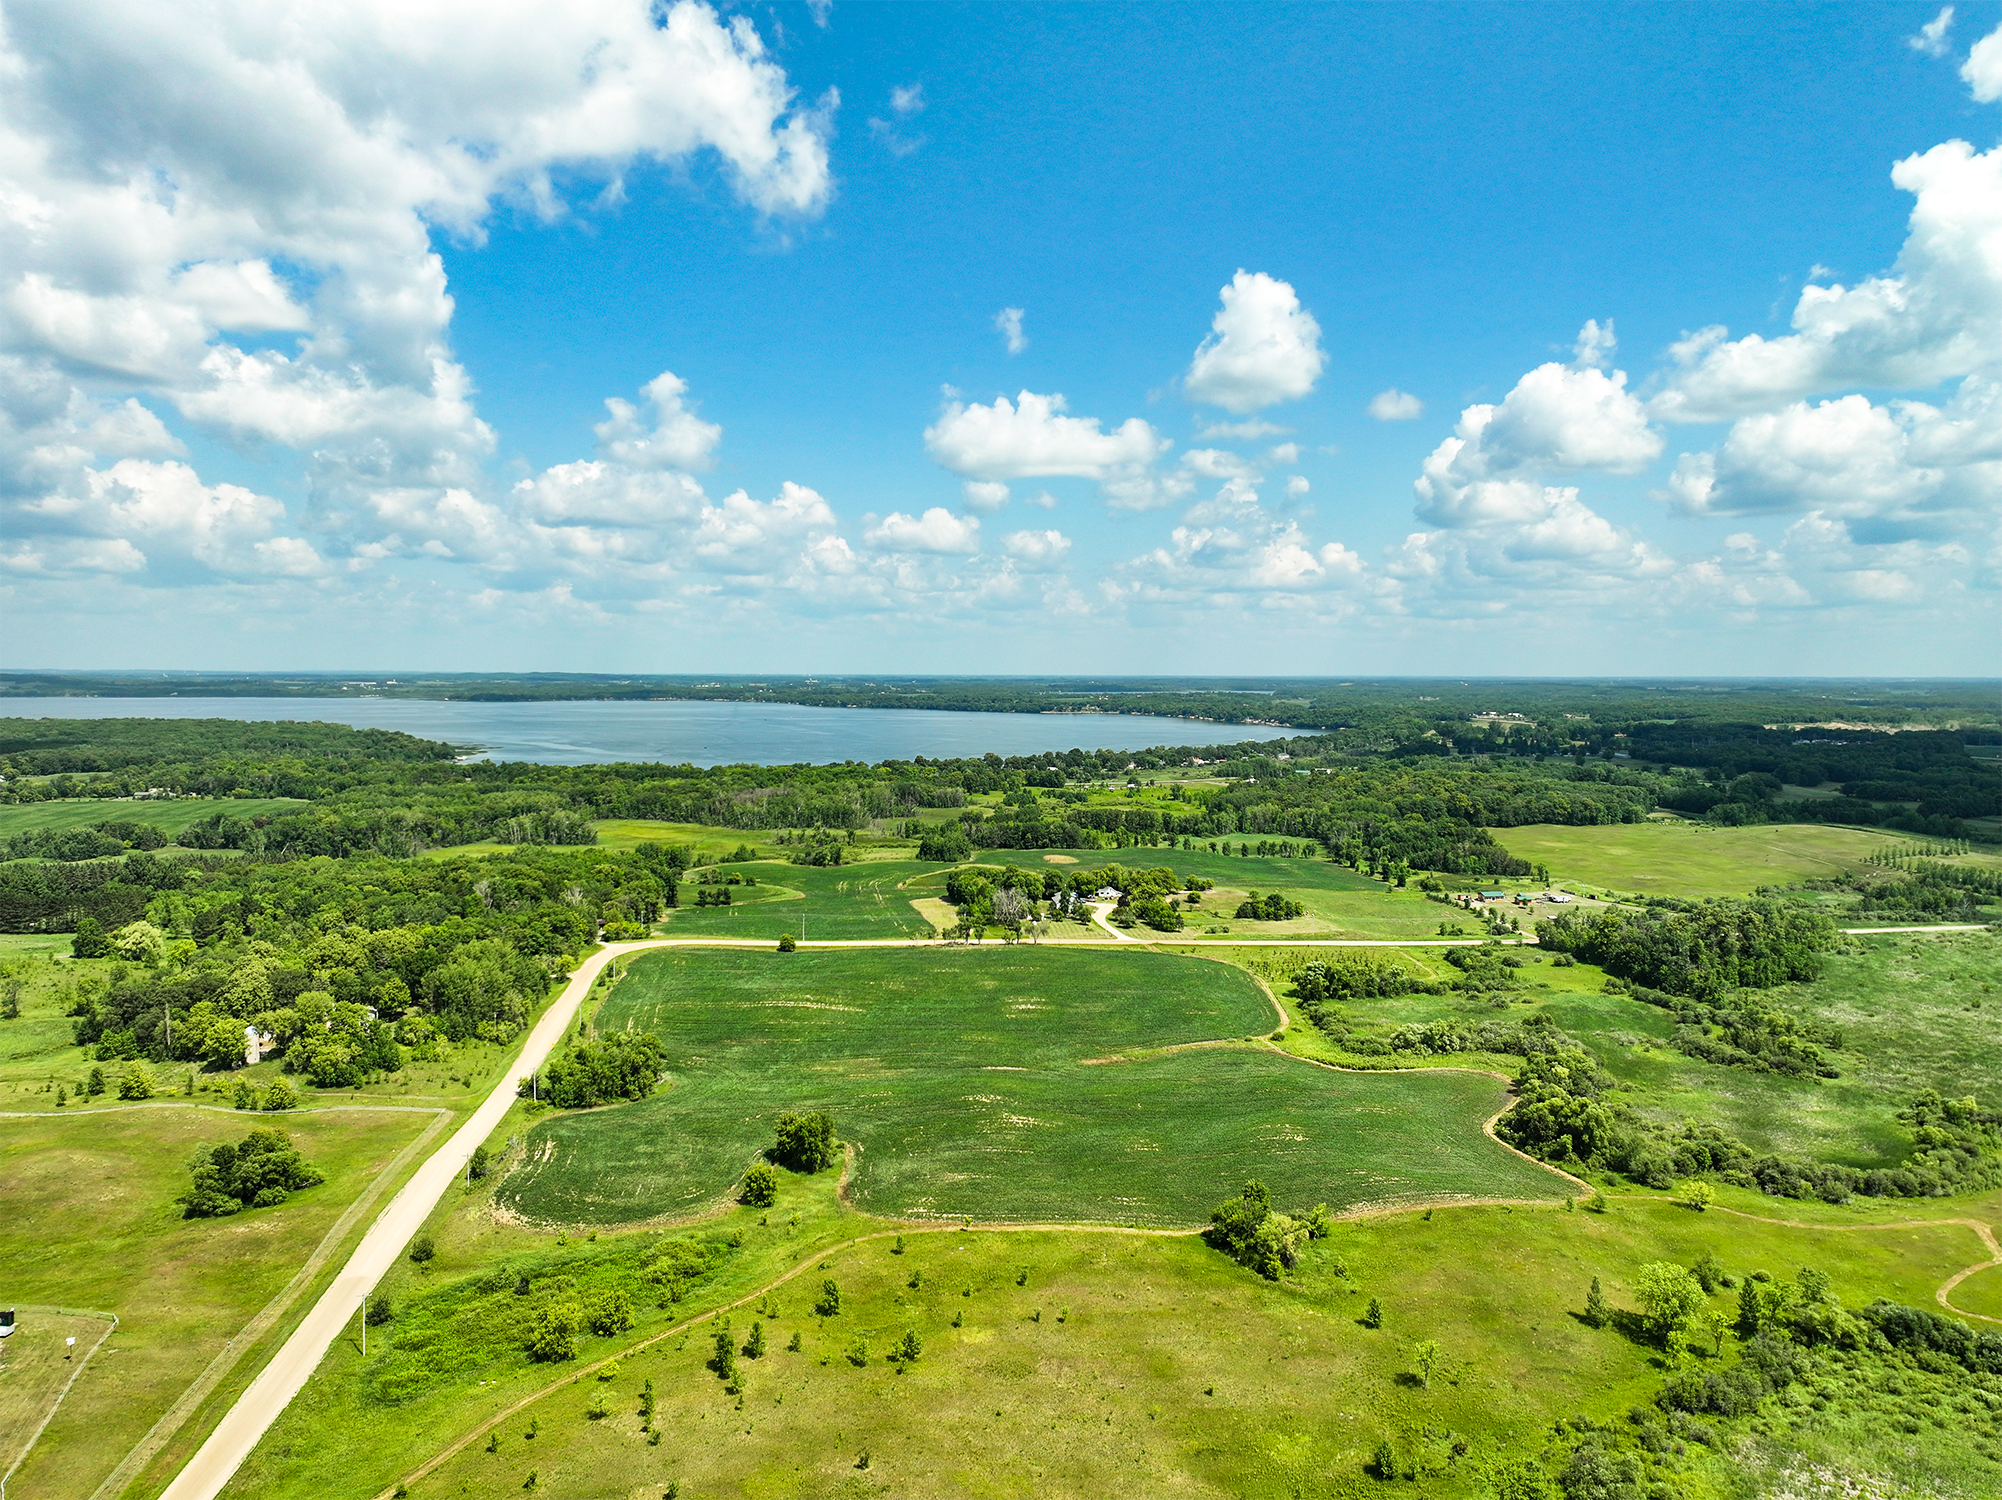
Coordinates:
937 530
1036 549
1394 405
1263 347
1033 438
677 438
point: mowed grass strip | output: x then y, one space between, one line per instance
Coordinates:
1015 1084
88 1219
1675 858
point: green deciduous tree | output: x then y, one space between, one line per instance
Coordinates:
805 1142
761 1186
1669 1297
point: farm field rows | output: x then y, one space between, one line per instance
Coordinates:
169 815
1006 1084
1673 857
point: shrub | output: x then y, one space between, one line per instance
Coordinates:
1597 1314
761 1186
909 1348
423 1248
279 1096
379 1311
1246 1229
136 1082
786 943
829 1304
259 1172
610 1312
754 1346
1372 1316
625 1065
553 1334
805 1143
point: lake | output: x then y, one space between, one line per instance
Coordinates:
578 733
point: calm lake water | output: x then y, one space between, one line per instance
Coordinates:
703 734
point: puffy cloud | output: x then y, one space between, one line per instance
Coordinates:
1595 345
1008 322
1283 453
1296 486
1983 70
1394 405
984 495
1034 439
183 529
1263 347
677 440
742 535
1936 316
1036 549
1558 417
1930 38
937 530
1844 456
279 168
601 493
1229 548
1215 463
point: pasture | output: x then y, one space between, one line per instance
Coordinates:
88 1220
842 901
1085 1363
1667 857
169 815
1018 1084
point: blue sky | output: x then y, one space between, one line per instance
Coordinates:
1346 340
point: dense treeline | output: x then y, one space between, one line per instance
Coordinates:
1699 949
345 967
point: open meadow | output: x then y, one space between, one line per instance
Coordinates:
1026 1084
1675 857
1074 1363
92 1224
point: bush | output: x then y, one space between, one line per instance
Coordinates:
279 1096
379 1311
805 1143
829 1304
625 1065
423 1248
553 1334
786 943
610 1313
257 1173
761 1186
136 1082
1247 1230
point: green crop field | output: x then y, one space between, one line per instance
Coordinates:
169 815
1675 858
88 1220
1010 1084
846 901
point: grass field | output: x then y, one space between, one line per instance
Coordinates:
1013 1084
1675 858
1915 1011
845 901
1081 1363
169 815
88 1220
